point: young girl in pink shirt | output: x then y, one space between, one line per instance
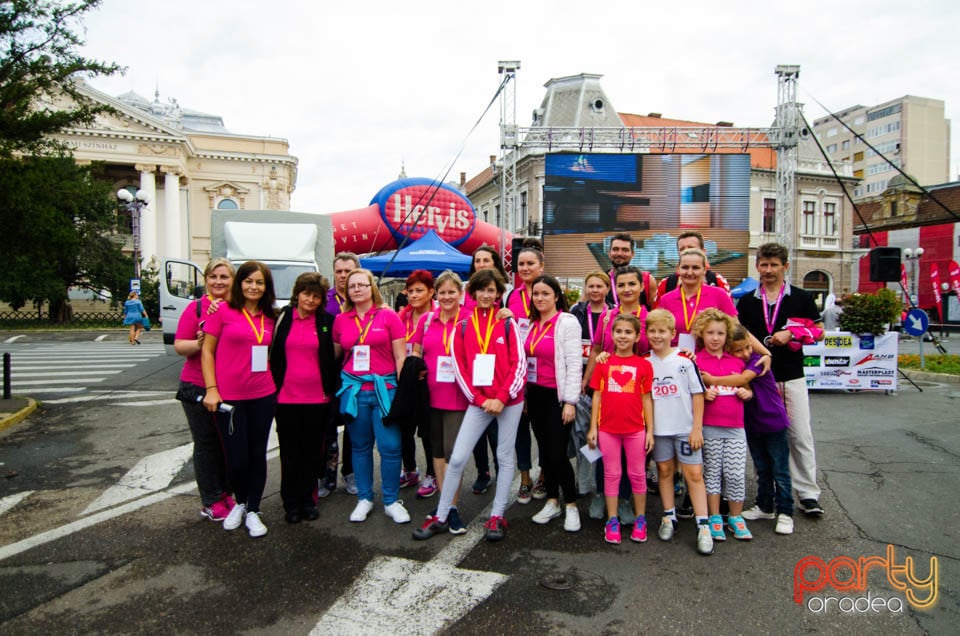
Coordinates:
724 440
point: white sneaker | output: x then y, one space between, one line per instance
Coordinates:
351 484
784 524
754 513
235 518
550 511
571 523
254 526
704 541
359 514
397 512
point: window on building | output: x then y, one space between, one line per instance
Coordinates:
832 132
809 217
845 145
857 192
893 208
523 210
227 204
829 218
858 156
769 215
832 148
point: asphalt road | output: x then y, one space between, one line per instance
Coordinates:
149 564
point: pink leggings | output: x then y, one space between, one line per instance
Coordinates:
633 446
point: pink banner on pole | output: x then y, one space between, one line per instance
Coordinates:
935 281
955 277
903 282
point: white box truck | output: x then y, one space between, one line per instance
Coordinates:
290 243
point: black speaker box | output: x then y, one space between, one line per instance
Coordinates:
885 264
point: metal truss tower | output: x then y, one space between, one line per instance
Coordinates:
788 127
509 145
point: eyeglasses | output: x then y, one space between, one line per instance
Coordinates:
358 285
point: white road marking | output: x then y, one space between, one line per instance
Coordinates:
53 374
13 339
66 530
8 502
60 381
62 389
150 474
101 338
148 402
102 395
400 596
105 365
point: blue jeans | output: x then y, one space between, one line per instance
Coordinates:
771 458
365 429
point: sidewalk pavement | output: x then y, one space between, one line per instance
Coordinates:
15 410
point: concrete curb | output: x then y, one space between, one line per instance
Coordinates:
927 376
15 418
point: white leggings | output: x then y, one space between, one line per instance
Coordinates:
475 422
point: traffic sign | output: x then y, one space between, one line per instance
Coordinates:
916 322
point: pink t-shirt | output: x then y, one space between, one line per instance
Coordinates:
519 303
236 337
709 297
379 328
301 381
540 347
604 335
727 410
187 329
435 340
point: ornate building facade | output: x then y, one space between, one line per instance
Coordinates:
187 163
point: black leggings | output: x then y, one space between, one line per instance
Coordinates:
301 432
244 437
553 437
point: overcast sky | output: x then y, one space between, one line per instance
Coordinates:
359 88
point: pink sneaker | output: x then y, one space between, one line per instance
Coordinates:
611 531
228 502
639 533
428 487
216 512
411 478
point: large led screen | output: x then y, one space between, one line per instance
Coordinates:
653 197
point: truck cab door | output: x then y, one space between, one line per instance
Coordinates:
181 283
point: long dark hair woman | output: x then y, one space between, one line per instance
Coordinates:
306 374
236 372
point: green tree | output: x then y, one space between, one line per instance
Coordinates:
39 64
59 226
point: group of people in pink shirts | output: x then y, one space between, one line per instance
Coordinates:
496 365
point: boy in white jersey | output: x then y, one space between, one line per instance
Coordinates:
678 416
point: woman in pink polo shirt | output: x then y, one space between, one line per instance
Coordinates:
370 337
433 342
209 468
693 296
236 372
306 374
529 267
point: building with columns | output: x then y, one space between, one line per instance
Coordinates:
188 164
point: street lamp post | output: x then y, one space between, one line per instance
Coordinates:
134 205
913 255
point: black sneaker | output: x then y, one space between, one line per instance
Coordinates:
685 510
811 507
483 482
310 513
430 527
292 516
455 523
496 529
